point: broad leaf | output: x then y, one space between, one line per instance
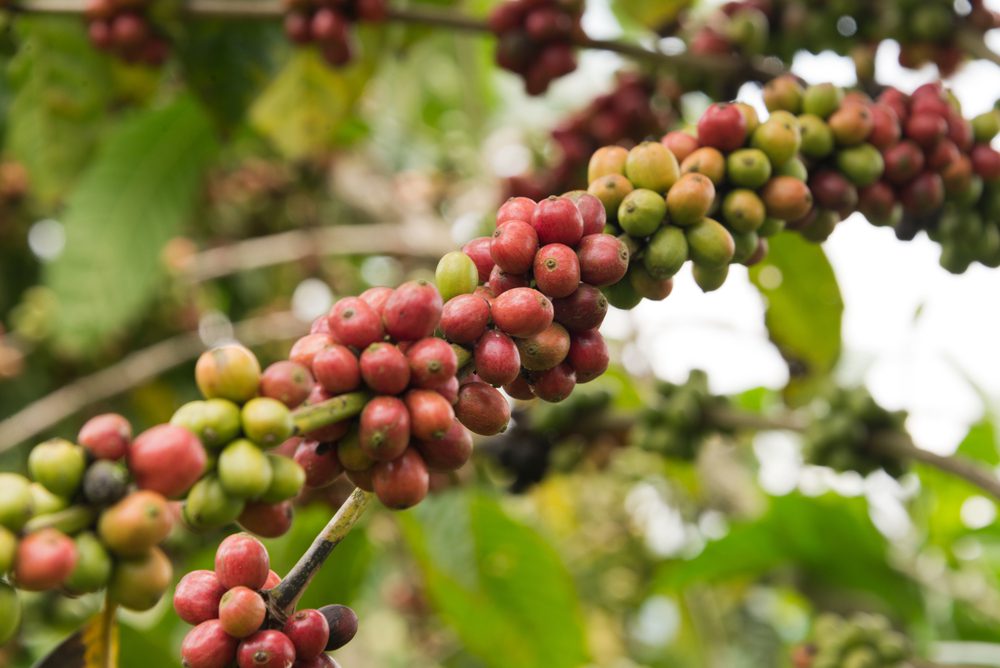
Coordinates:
130 202
61 90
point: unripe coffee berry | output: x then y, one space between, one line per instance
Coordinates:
456 274
267 422
228 372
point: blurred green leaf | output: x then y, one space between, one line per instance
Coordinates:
136 195
980 444
140 647
650 14
93 646
61 87
515 603
804 307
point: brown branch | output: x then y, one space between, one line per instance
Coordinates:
134 369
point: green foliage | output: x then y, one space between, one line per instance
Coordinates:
136 195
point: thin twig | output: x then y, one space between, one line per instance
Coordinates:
134 369
972 43
726 417
282 599
331 411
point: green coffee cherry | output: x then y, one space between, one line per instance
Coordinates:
651 165
244 470
822 99
15 501
743 210
861 164
228 372
456 274
59 465
267 422
986 126
10 612
208 506
779 138
666 253
8 550
794 168
709 278
215 421
710 244
287 479
817 137
93 565
770 227
642 212
611 189
646 286
45 502
746 245
748 168
622 294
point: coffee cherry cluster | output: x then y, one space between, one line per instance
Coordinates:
842 430
328 24
535 39
861 641
232 623
123 28
675 423
93 514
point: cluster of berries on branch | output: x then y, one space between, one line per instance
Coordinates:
124 29
328 24
233 626
863 640
535 39
676 422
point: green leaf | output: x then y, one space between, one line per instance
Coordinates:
514 602
804 307
61 88
136 195
650 14
308 103
980 444
93 646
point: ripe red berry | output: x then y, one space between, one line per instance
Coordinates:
479 250
522 312
496 358
106 436
545 349
519 388
309 632
594 215
241 611
376 297
584 309
448 389
319 461
128 30
449 452
960 130
273 580
413 311
514 246
403 482
722 126
926 129
903 162
384 430
516 208
288 382
304 350
501 281
336 369
588 355
328 26
197 596
556 270
267 520
603 259
266 649
833 191
355 323
924 194
432 362
943 154
877 201
208 646
44 560
319 661
464 318
430 414
885 127
241 559
167 459
557 220
297 27
986 161
343 623
385 368
482 409
555 384
681 144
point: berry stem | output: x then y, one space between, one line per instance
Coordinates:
282 599
331 411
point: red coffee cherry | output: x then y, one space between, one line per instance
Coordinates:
681 144
413 311
319 661
592 211
376 297
267 520
336 369
44 560
403 482
241 559
545 349
305 349
208 645
241 611
584 309
288 382
926 129
362 479
449 452
522 312
516 208
514 246
167 459
136 523
482 409
555 384
924 194
885 127
266 649
556 270
319 461
197 597
986 162
432 362
297 27
943 154
722 126
557 220
343 623
309 632
588 355
106 436
448 389
833 191
501 281
496 358
273 580
430 414
465 318
903 162
385 368
519 388
384 429
479 250
603 259
355 323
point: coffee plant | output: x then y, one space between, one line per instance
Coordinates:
240 343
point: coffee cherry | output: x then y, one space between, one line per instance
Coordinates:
515 208
748 168
244 470
496 358
241 611
584 309
784 93
456 274
304 350
319 461
710 243
607 160
986 126
44 502
986 162
385 368
215 422
355 323
822 99
135 524
309 632
448 389
413 311
241 559
642 212
707 161
268 520
925 129
106 436
710 278
482 409
452 450
10 612
555 384
651 165
318 661
723 127
591 210
514 246
464 318
817 138
403 482
266 649
557 220
8 549
862 164
44 560
343 625
648 287
622 295
680 143
519 388
287 479
58 465
209 506
228 372
430 414
522 312
138 583
743 210
273 580
690 199
545 349
197 596
384 429
432 361
588 355
787 198
479 251
611 190
557 270
944 153
267 422
833 191
336 369
286 381
15 501
851 124
208 645
376 297
885 127
924 194
104 483
167 459
878 204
